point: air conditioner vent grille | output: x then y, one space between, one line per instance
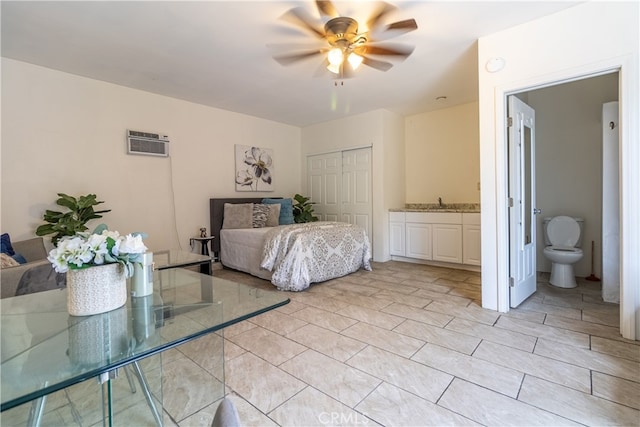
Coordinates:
144 134
147 143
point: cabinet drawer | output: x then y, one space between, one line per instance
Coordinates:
471 219
434 217
396 216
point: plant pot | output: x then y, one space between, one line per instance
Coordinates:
96 289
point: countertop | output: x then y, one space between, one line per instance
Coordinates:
435 207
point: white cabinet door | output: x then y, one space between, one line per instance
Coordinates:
447 243
471 244
396 238
418 240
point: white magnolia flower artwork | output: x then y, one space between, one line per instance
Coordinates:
254 168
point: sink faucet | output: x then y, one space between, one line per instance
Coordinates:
440 201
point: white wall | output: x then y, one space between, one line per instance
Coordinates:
584 39
569 160
384 132
442 156
64 133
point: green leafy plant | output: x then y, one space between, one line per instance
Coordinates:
303 209
69 223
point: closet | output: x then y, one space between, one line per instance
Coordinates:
339 184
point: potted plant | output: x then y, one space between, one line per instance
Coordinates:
97 265
303 209
69 223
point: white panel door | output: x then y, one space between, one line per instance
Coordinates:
522 194
324 181
356 188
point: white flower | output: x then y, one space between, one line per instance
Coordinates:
132 245
84 250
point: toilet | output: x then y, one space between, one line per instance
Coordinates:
563 239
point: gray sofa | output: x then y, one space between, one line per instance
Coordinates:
35 276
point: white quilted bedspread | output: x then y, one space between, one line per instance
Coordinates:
300 254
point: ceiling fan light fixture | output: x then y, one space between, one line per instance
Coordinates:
355 60
334 68
335 56
346 47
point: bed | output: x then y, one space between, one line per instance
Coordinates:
291 256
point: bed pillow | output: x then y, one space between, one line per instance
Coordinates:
286 209
273 220
238 215
260 215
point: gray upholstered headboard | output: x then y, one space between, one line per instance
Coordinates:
216 216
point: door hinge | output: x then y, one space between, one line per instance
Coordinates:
510 202
512 282
509 121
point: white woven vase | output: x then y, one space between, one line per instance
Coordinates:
96 289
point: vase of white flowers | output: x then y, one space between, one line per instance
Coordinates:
97 266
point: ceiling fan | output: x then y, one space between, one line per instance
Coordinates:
343 44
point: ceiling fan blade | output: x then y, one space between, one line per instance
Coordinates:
388 49
403 26
299 16
378 65
393 30
326 8
382 10
295 57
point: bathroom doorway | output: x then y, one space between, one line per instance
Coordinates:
569 161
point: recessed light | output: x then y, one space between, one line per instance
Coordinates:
441 98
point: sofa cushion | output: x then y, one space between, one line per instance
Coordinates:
40 278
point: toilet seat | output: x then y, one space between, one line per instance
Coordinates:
563 232
563 249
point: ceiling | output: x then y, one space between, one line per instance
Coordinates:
220 53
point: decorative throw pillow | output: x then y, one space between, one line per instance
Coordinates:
260 215
273 220
7 261
238 215
5 244
286 209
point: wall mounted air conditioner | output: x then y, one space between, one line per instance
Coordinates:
148 144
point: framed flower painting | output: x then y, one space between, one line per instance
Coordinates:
254 168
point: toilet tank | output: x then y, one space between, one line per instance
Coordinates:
545 222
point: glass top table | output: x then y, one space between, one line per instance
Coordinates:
176 258
44 349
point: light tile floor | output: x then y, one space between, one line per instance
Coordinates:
408 345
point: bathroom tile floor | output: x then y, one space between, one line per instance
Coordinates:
410 345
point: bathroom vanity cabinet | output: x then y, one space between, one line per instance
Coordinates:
450 237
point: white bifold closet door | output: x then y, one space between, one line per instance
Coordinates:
339 184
